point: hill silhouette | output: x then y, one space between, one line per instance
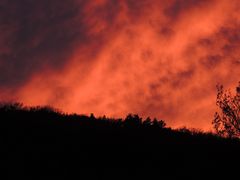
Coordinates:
44 143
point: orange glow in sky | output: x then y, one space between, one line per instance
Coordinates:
157 58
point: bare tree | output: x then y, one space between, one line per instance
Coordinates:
227 121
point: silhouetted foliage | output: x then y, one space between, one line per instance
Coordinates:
147 122
43 142
159 124
227 121
133 121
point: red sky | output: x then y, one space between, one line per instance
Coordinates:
157 58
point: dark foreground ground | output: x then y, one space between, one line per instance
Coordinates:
44 144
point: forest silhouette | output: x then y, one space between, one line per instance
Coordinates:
44 143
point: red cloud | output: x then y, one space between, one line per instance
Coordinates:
155 58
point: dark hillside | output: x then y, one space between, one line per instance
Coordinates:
44 143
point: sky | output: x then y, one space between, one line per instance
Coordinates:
157 58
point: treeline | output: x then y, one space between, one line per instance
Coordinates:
16 114
43 142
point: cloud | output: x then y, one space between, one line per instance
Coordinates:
155 58
42 34
177 8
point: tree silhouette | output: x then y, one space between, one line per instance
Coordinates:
158 124
133 120
45 143
147 122
227 121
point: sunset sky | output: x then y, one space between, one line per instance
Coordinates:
157 58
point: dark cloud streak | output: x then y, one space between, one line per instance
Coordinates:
43 35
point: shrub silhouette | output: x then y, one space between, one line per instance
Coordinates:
227 121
